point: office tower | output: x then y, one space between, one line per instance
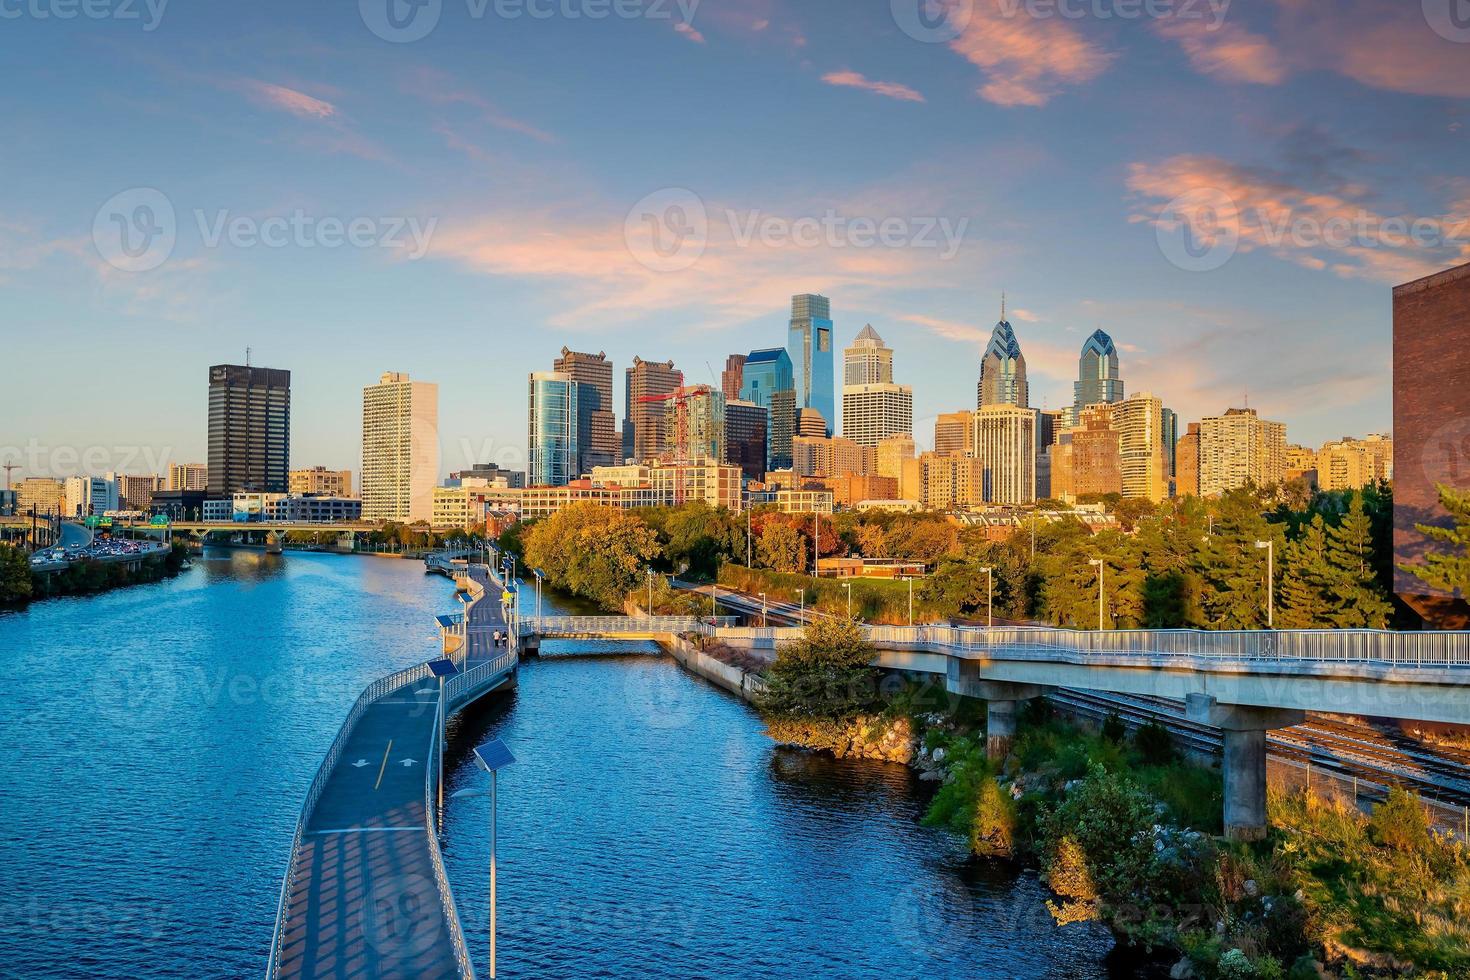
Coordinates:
89 496
694 425
1240 448
1048 424
188 476
400 449
766 380
249 429
321 482
1089 462
136 492
597 431
1139 420
873 407
732 378
1098 380
954 434
1003 369
1171 440
1186 463
1431 428
1005 447
834 457
891 455
552 432
41 495
643 413
747 428
811 424
809 341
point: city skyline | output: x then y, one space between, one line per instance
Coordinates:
1320 118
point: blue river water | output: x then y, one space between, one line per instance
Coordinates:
159 739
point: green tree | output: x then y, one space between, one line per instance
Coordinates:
15 575
828 673
1448 570
593 551
1306 575
781 548
1361 602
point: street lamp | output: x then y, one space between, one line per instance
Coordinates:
911 598
1099 563
763 609
441 668
539 576
1270 547
801 597
989 597
848 587
648 573
492 757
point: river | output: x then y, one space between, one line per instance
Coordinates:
160 738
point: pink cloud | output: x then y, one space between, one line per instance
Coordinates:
892 90
438 88
1226 50
687 30
297 103
1026 61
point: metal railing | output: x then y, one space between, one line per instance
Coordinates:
613 625
463 963
1383 647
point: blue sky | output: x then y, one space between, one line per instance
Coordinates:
1069 154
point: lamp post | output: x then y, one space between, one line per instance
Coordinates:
714 606
539 576
848 587
763 609
989 597
747 539
492 757
1099 563
911 598
441 668
1270 546
648 574
801 598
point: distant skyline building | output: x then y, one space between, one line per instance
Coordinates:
400 449
249 429
1002 369
1186 463
1240 448
746 437
1005 447
90 496
643 412
1098 380
767 381
322 482
809 341
1139 420
694 425
954 434
553 410
598 442
732 378
810 424
873 407
188 476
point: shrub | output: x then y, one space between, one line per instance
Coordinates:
1399 823
825 674
1068 875
1113 729
1154 744
993 830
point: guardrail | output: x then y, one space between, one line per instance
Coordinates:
1426 649
586 625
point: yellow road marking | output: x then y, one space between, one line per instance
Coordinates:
384 765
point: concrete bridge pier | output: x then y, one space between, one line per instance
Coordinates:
1243 729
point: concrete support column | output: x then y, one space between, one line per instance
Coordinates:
1000 728
1243 729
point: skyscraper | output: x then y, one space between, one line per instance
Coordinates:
553 411
249 429
598 443
1003 369
1005 447
400 449
873 407
643 415
1098 381
954 434
1186 463
694 425
1239 448
809 339
746 432
732 378
1139 420
766 380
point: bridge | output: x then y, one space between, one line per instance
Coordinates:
365 893
1244 683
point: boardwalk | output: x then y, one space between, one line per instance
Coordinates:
365 895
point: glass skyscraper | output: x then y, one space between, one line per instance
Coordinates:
1098 381
552 437
809 341
1003 369
766 379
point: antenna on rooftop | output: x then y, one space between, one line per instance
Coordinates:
247 357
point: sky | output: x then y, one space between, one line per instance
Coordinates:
458 188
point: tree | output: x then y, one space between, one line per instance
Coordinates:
1305 578
872 541
828 673
1448 570
1361 602
781 548
593 551
15 575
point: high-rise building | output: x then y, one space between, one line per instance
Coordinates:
1098 380
1431 429
89 496
1139 420
249 429
598 441
809 340
1240 448
943 482
954 434
553 411
834 457
766 380
732 379
188 476
694 425
321 482
1186 463
1349 464
40 494
1088 461
643 414
135 492
746 437
873 407
1171 441
1003 369
891 455
400 449
1005 447
809 423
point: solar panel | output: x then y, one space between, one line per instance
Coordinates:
443 667
493 755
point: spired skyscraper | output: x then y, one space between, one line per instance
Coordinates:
809 341
1003 369
873 407
1098 381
